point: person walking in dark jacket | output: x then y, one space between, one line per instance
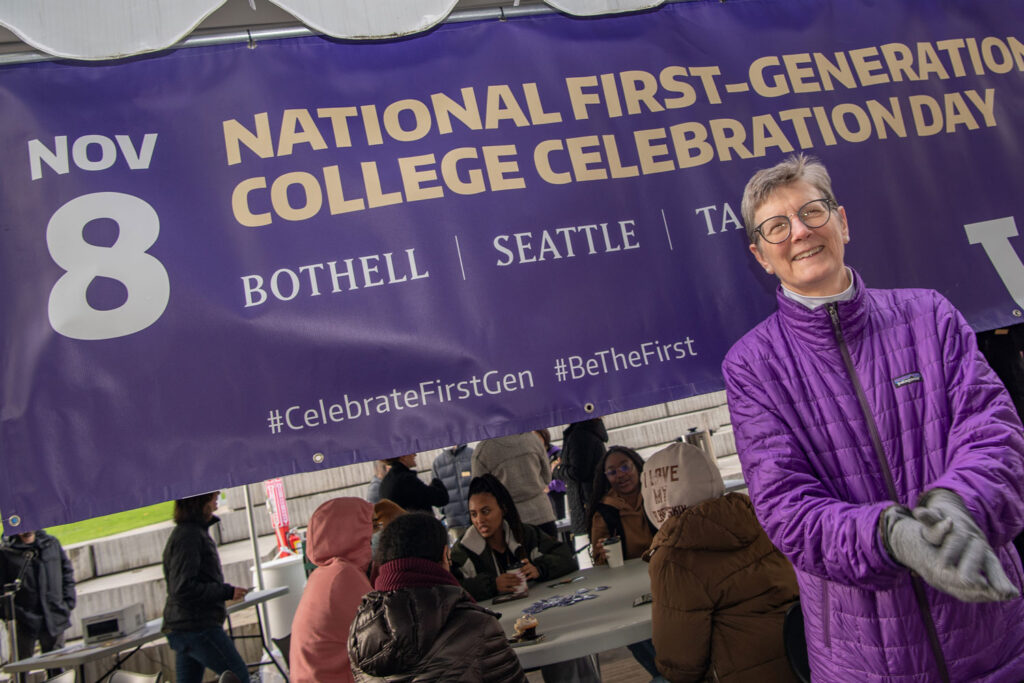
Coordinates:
196 592
402 486
46 596
583 446
419 624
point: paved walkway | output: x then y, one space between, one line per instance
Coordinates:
617 666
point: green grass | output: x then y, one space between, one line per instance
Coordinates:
98 527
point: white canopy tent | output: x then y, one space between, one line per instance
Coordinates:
112 29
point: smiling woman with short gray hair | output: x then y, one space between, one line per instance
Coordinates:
883 456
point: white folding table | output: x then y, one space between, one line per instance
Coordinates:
76 655
588 627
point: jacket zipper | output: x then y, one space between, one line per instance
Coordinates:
876 443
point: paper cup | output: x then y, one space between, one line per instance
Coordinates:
613 550
521 577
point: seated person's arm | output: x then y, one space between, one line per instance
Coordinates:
480 586
551 557
598 533
681 616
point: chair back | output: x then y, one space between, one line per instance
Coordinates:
796 643
121 676
284 644
69 676
229 677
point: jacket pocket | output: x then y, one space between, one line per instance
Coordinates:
826 616
59 608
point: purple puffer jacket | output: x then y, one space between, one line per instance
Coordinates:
815 480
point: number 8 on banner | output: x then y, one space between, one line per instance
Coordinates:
125 261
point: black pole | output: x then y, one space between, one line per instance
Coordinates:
10 590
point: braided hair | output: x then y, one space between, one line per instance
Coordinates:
488 483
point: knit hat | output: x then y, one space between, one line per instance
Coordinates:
678 477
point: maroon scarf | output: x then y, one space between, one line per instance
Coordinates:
412 572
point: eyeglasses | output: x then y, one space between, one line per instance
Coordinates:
624 468
813 214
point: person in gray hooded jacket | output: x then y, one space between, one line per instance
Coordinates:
419 624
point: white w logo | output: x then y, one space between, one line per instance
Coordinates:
994 237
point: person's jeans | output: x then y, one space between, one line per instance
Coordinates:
643 652
208 649
582 670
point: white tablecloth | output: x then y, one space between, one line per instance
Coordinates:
589 626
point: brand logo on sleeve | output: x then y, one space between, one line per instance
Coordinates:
904 380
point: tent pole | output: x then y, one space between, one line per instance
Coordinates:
258 567
253 538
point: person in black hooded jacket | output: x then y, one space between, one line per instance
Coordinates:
402 486
196 592
43 603
583 446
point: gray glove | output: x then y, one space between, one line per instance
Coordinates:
975 576
964 545
949 522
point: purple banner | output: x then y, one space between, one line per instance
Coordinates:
226 264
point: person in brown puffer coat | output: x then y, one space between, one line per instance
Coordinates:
720 588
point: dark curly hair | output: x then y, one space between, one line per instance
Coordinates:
488 483
414 534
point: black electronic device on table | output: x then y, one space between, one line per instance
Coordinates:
509 597
643 600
